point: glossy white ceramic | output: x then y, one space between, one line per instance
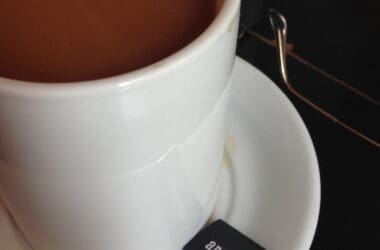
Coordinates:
128 162
268 190
270 185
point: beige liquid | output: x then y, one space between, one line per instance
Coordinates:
76 40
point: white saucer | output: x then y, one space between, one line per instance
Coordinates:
270 187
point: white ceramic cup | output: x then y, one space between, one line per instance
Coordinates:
123 163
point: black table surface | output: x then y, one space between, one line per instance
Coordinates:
341 38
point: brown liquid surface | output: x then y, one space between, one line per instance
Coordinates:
76 40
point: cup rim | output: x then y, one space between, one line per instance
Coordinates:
193 50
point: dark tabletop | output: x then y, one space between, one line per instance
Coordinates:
342 39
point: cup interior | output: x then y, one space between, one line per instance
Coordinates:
222 21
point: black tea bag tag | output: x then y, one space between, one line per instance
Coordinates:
221 236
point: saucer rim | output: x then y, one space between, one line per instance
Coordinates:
314 202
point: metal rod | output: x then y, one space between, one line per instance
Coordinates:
279 27
314 67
